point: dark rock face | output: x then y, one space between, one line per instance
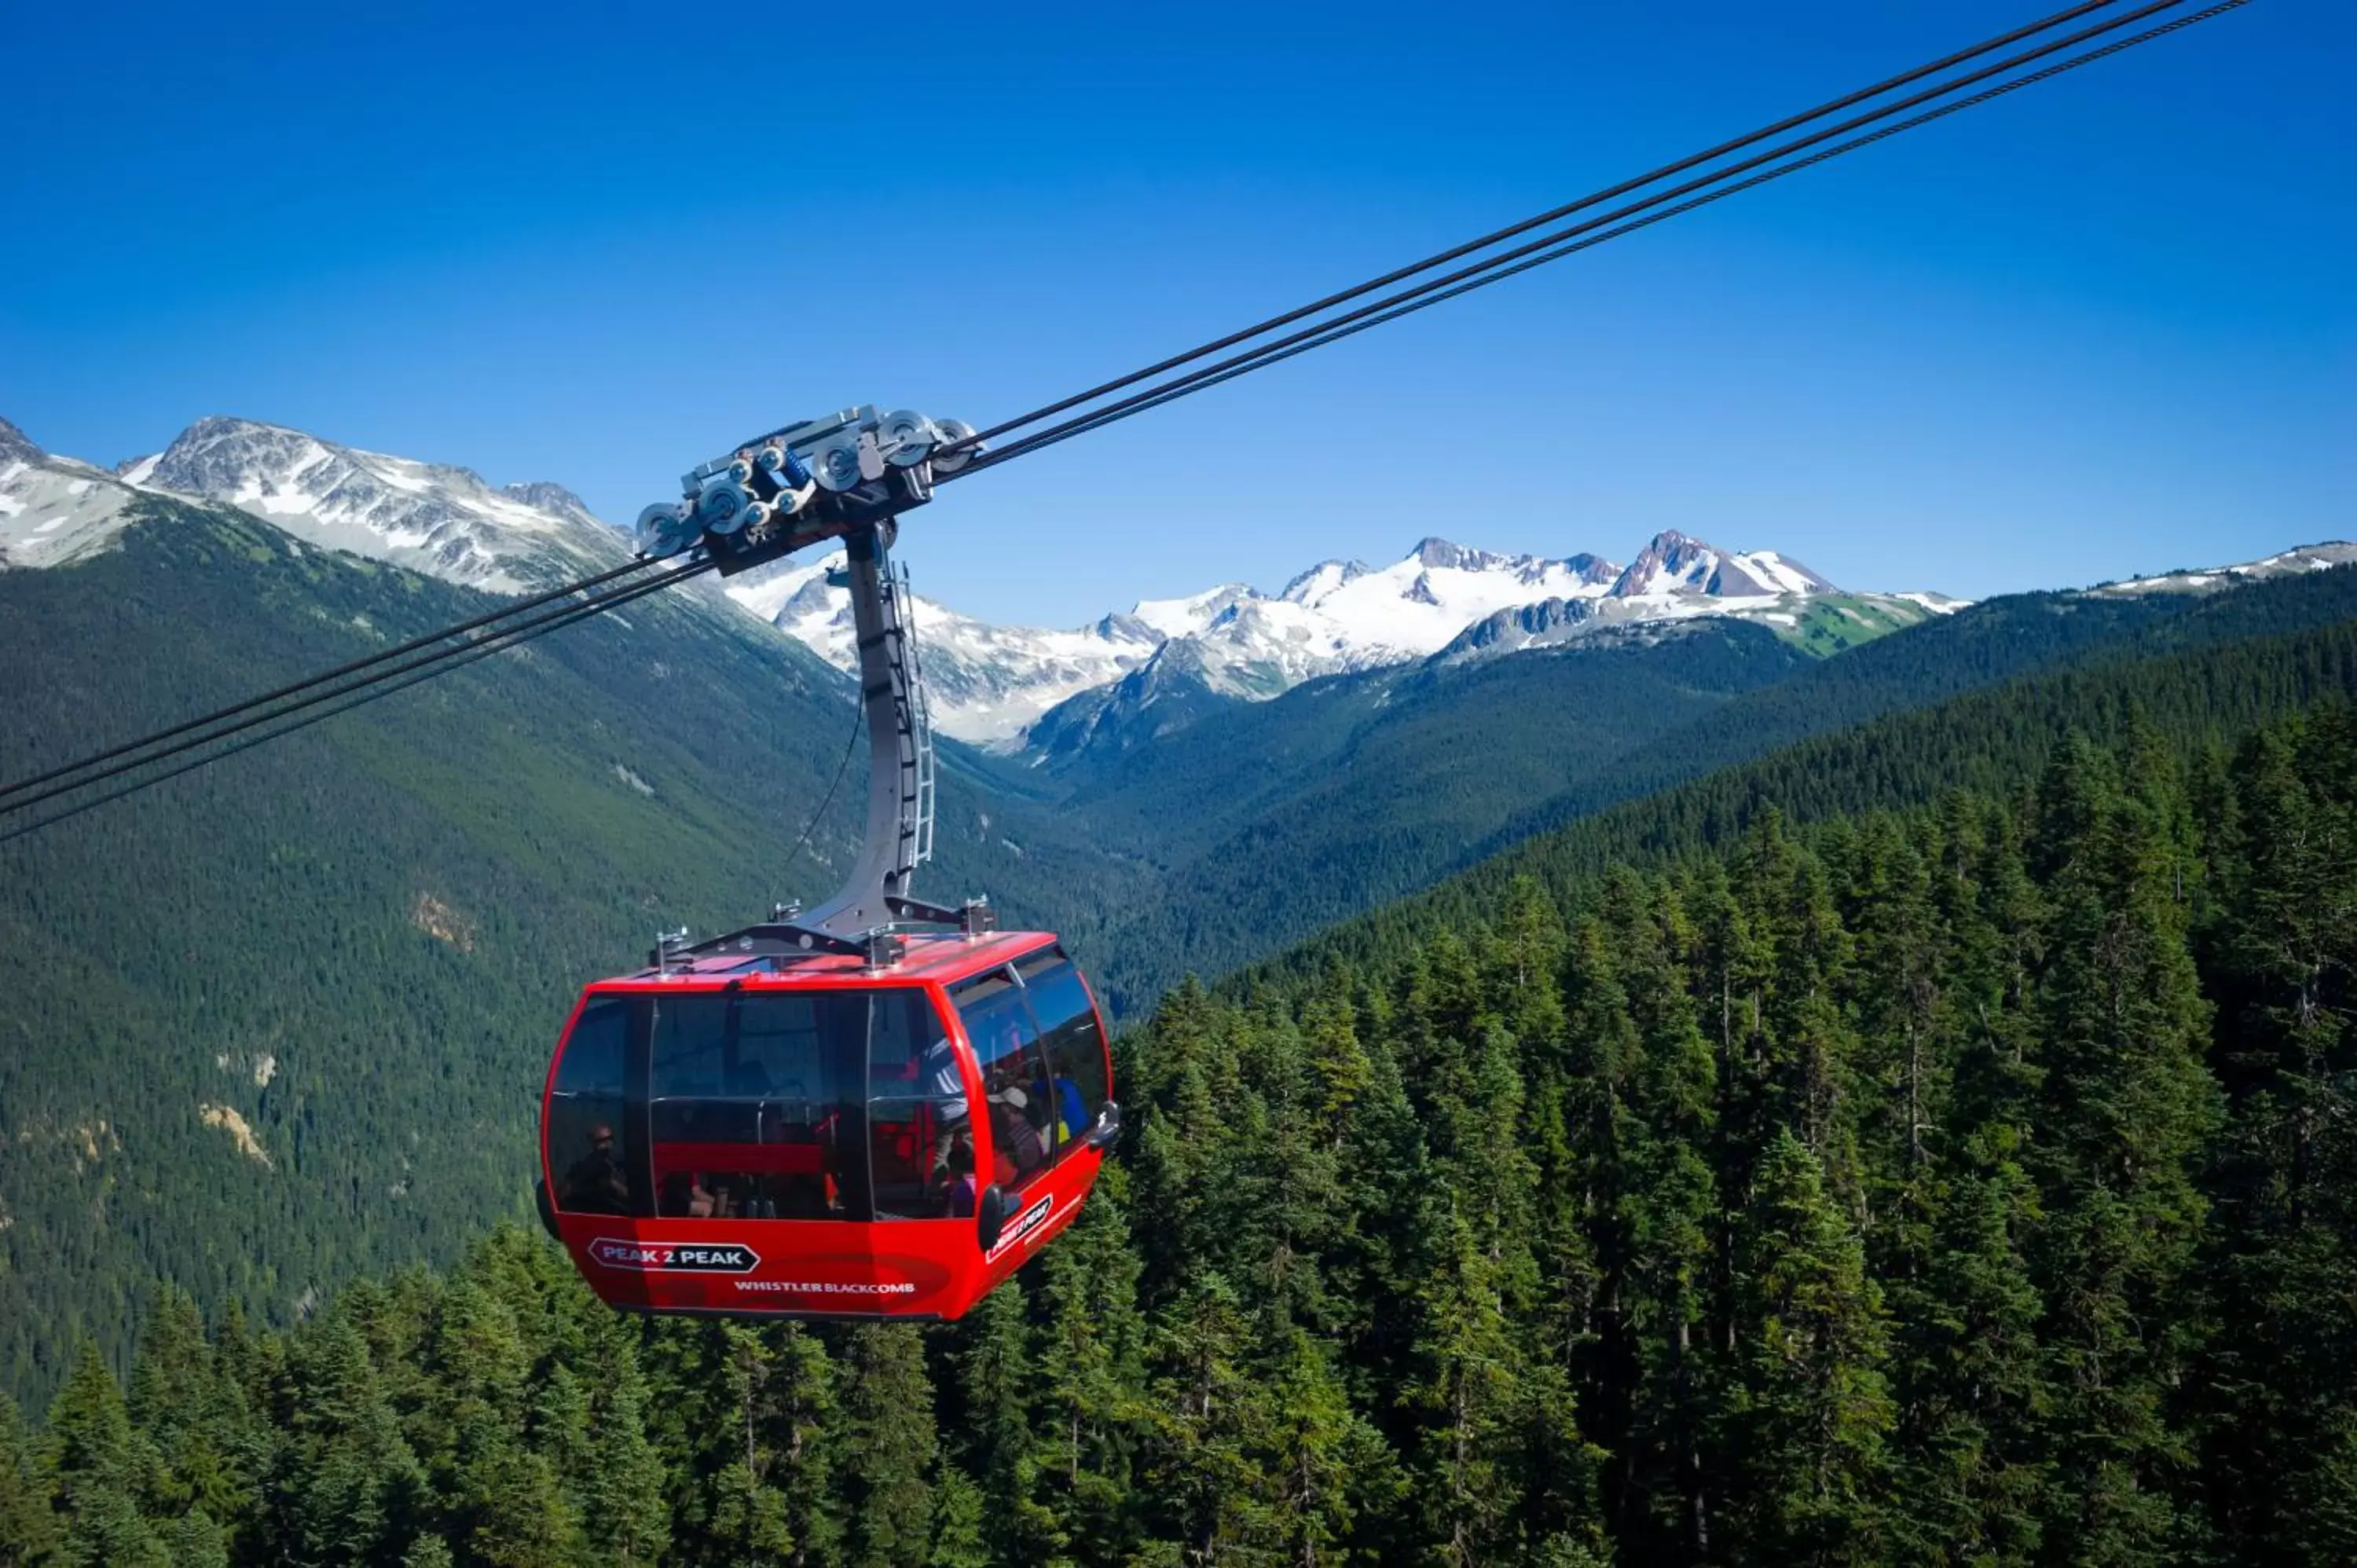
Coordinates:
1671 554
554 498
16 446
1440 553
1168 693
1590 568
1548 620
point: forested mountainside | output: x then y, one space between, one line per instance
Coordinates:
1966 1185
1269 821
1364 788
2209 688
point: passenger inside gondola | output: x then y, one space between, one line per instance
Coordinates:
595 1183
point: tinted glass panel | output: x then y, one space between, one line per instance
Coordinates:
588 1136
759 1106
1006 1043
1073 1043
916 1112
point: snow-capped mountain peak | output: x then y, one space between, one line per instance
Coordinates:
986 683
1233 641
434 517
54 508
555 499
16 446
1677 564
1323 579
1195 613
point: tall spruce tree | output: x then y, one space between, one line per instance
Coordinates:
2279 1383
97 1469
886 1453
27 1529
1814 1411
2126 1108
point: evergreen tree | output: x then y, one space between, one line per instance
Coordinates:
344 1475
196 1420
1676 1228
1975 1392
2278 1380
97 1469
999 1385
25 1524
2127 1106
959 1539
428 1551
1201 1473
1090 1350
887 1447
1815 1411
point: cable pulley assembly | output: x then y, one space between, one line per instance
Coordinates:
815 481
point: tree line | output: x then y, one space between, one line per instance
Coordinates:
1970 1185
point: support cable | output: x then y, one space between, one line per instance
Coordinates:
858 723
394 679
1434 294
298 687
1556 244
1847 100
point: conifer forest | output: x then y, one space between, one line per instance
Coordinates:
1969 1184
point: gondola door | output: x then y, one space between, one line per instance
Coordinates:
1039 1046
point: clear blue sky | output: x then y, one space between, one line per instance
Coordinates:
2100 328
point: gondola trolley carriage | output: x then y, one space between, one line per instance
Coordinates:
878 1108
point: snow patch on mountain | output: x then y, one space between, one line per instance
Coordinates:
986 683
2319 557
53 508
1676 568
990 683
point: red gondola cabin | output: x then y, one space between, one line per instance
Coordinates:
809 1136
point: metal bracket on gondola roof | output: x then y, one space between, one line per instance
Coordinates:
974 917
844 476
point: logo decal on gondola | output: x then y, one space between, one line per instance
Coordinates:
1022 1225
675 1257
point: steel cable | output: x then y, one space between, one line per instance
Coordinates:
417 669
1434 294
1695 160
298 687
1554 246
